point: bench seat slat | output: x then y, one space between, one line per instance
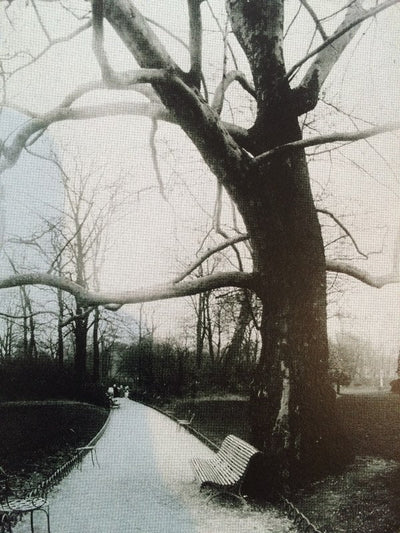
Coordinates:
213 472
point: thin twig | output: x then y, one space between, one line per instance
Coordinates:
208 253
41 21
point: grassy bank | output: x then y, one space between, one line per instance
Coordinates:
216 418
38 436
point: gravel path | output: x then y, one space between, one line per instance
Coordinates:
145 484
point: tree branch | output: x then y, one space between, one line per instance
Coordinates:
358 273
41 24
11 152
219 150
98 42
343 227
154 157
53 42
31 315
215 140
74 317
306 94
368 14
362 275
158 292
181 289
141 88
195 41
208 253
315 19
137 36
332 265
217 208
230 77
217 223
258 27
168 32
325 139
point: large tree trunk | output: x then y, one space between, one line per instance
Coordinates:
293 405
292 402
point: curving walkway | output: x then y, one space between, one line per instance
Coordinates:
145 484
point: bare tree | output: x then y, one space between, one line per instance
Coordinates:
264 170
7 337
82 245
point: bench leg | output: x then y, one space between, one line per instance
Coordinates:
47 513
5 523
95 458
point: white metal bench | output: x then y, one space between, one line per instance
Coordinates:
227 470
13 507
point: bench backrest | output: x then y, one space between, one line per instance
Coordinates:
236 453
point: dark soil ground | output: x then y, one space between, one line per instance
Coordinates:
363 499
38 437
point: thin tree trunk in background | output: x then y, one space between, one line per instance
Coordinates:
96 351
60 335
80 332
208 327
200 330
232 351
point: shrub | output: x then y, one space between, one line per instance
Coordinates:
43 379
